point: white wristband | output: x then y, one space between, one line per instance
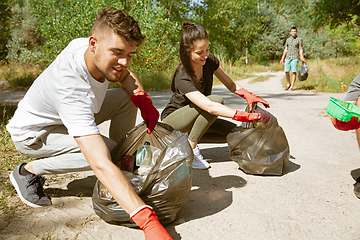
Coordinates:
139 209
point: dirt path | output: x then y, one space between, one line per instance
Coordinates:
314 199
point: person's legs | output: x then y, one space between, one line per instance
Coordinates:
196 122
287 74
192 119
293 81
57 152
294 65
218 131
118 107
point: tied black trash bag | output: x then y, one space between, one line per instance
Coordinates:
164 185
258 148
303 73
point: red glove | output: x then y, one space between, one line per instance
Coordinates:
251 98
282 60
346 126
245 117
249 117
147 109
147 220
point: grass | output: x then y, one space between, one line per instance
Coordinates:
330 75
18 76
261 78
10 158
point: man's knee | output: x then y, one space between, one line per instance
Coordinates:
216 98
357 103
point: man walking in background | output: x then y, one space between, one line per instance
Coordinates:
293 47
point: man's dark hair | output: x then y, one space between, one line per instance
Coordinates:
120 23
293 28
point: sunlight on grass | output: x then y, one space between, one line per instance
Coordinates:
18 75
330 75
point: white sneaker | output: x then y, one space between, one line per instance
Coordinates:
199 162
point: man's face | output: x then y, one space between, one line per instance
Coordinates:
112 54
293 32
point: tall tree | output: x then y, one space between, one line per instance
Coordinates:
231 25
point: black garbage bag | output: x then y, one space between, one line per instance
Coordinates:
303 73
158 165
258 148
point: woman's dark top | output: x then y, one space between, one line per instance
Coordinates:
183 85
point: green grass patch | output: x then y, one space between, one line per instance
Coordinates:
331 75
261 78
10 158
19 75
156 81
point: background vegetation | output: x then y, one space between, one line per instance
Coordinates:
242 32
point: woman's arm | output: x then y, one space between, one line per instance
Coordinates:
226 80
209 106
236 88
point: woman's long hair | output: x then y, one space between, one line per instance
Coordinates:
191 33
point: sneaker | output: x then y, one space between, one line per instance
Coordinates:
357 187
29 188
199 162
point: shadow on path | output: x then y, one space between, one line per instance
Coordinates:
82 187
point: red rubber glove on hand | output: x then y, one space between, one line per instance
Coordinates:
346 126
245 117
147 220
250 117
251 98
147 109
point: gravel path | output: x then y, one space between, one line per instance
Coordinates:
314 199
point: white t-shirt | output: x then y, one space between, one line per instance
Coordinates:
64 94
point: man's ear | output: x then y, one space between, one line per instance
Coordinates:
92 43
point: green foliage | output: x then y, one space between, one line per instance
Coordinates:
321 43
231 25
241 30
24 42
5 16
62 21
335 12
159 52
271 42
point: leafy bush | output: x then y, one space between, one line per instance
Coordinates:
62 21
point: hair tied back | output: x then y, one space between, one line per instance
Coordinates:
187 25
